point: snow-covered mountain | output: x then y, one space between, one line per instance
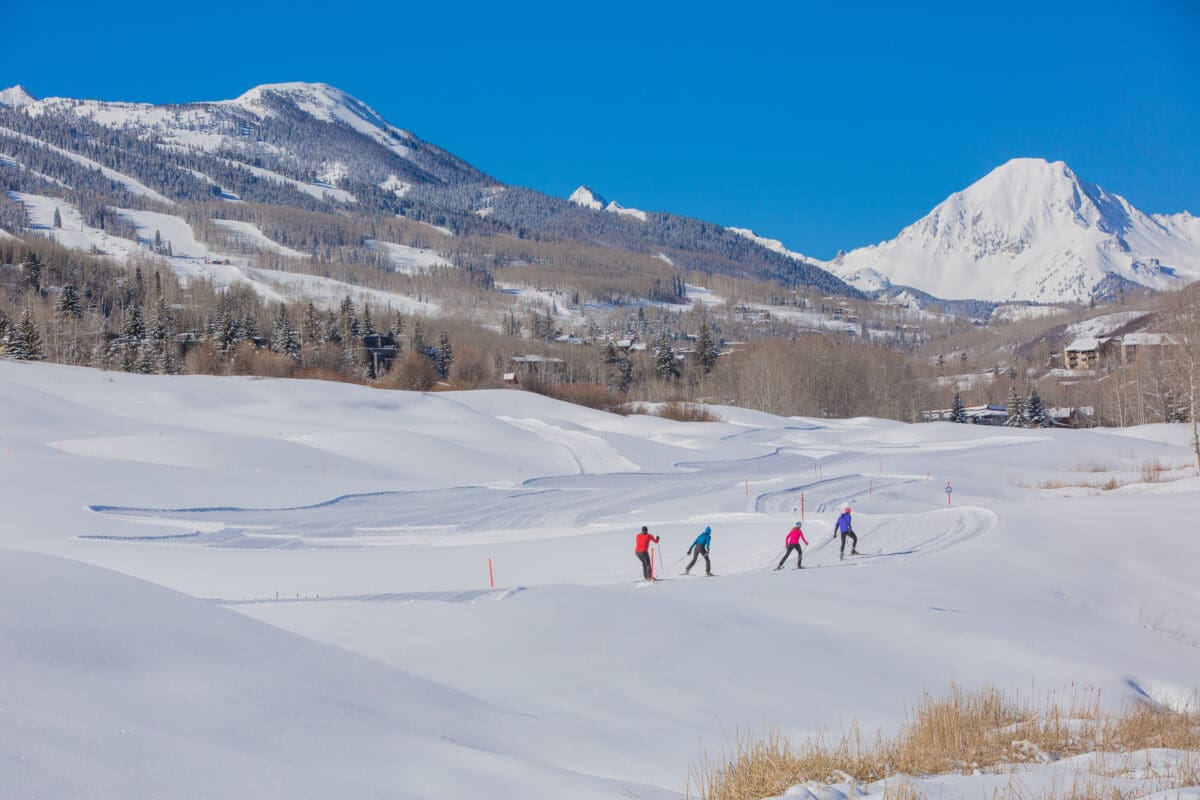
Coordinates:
1031 230
305 125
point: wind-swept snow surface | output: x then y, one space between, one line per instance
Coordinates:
267 588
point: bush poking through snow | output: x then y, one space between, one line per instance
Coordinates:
686 412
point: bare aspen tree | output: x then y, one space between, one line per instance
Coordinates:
1181 321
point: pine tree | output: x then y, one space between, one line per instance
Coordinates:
665 363
31 273
367 326
310 327
443 355
57 218
958 412
417 341
68 302
1035 410
24 340
1016 409
283 337
397 329
707 350
135 324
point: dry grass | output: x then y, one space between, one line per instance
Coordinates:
686 412
956 733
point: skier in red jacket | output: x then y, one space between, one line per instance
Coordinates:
642 551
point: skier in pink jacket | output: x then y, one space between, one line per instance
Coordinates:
794 538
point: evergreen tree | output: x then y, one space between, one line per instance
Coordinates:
348 324
57 218
310 327
417 341
367 326
24 340
1035 410
443 355
665 363
68 302
958 412
31 273
283 337
707 350
135 324
1016 409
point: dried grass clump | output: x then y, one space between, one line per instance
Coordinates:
956 733
686 412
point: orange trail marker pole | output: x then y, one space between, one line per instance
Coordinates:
491 575
747 487
870 488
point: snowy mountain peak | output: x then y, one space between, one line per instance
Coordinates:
1031 229
16 96
586 198
583 196
321 101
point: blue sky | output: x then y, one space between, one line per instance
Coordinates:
825 125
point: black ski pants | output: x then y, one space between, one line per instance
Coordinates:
696 553
788 552
644 557
853 543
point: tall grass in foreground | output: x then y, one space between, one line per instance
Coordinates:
958 733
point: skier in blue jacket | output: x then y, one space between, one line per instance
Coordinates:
700 547
846 528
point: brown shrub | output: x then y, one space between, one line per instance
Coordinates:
472 369
686 412
592 395
202 358
325 374
414 373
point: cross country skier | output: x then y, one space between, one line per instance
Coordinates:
794 537
700 547
845 528
642 551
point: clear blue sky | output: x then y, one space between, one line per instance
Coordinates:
829 125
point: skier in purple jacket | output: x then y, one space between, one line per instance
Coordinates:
844 527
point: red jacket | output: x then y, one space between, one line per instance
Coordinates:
643 542
795 536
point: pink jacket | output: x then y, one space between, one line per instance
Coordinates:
795 536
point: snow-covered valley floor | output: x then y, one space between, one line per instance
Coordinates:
227 587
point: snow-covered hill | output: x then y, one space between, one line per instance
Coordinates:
1031 230
280 589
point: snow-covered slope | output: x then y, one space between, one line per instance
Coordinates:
1031 230
358 524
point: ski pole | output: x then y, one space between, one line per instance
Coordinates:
773 561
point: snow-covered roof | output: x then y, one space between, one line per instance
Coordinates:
1085 344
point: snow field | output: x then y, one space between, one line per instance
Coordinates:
387 659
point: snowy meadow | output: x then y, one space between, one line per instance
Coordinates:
241 587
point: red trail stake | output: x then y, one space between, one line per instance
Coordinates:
491 576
